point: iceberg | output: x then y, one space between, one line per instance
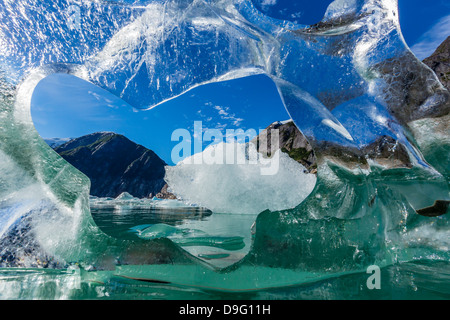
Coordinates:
349 83
239 186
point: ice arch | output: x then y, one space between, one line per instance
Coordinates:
163 49
351 69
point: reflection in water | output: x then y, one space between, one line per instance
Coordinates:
214 238
116 220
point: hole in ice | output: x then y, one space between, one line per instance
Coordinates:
304 12
128 154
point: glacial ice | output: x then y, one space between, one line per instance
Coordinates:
238 186
349 83
125 199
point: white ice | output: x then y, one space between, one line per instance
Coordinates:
240 187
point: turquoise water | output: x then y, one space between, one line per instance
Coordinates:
375 116
415 280
219 239
419 279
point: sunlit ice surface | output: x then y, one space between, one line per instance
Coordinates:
349 83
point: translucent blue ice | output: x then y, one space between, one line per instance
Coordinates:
376 117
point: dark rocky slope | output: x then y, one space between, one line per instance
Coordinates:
291 141
439 62
115 164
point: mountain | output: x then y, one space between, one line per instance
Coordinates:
291 141
115 164
295 144
55 142
385 150
439 62
388 152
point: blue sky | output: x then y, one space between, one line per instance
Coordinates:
64 106
425 24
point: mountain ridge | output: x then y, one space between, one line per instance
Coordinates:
115 164
439 62
291 142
